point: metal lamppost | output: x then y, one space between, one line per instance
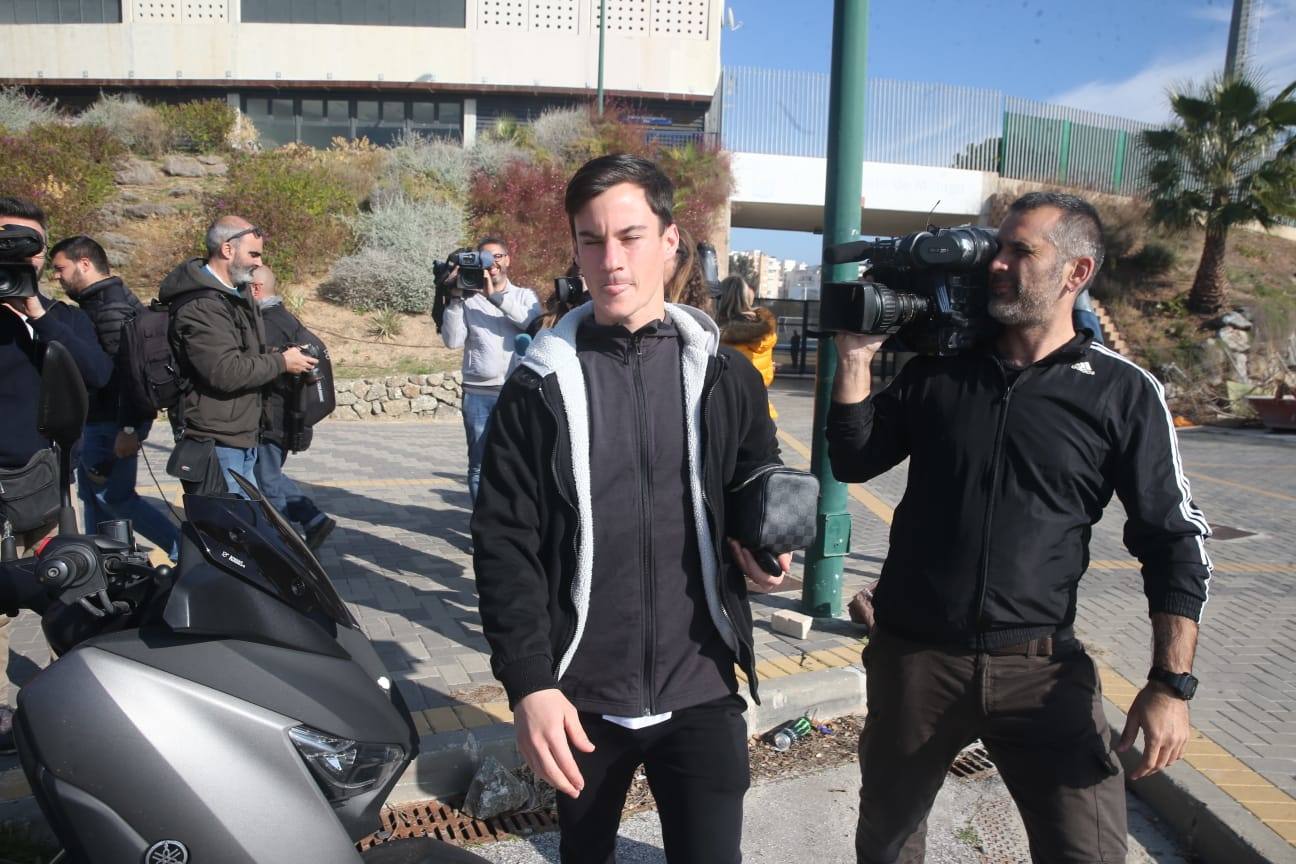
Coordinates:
821 592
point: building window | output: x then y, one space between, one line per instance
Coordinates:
385 13
60 12
322 120
317 120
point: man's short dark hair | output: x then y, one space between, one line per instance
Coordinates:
1078 234
599 175
492 240
21 208
81 246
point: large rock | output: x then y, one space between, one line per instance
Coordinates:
424 405
374 392
184 166
215 165
1237 341
137 173
345 397
109 239
435 379
409 391
185 192
117 258
397 407
148 211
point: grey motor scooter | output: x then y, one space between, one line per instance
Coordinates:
229 710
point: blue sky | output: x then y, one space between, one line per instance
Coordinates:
1113 56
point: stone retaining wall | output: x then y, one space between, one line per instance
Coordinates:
435 396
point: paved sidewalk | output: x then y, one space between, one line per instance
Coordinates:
400 557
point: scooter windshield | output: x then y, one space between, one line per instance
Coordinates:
250 540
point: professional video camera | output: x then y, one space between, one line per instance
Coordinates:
472 269
17 244
927 289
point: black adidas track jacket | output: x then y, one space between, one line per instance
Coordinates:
1007 476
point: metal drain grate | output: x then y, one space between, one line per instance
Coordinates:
974 763
434 819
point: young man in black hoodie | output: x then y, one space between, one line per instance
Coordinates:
614 606
27 325
114 430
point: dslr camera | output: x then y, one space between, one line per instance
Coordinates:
17 244
472 269
927 290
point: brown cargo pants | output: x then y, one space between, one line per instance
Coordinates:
1040 718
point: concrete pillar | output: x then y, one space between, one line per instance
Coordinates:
469 122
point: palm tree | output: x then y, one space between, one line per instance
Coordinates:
1229 159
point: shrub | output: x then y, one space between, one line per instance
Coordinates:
201 127
140 128
524 205
20 110
67 170
419 168
491 157
385 325
398 243
299 207
566 133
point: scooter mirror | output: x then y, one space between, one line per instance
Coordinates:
63 400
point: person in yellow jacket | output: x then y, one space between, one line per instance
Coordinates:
750 329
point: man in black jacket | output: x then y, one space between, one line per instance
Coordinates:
1014 450
614 614
114 429
283 330
27 325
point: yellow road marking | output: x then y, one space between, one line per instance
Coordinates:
1253 489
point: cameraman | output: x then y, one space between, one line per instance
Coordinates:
485 323
27 325
978 592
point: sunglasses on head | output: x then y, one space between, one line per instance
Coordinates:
254 231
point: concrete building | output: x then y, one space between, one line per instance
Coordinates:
309 70
802 282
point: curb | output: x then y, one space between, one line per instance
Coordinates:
1213 826
447 761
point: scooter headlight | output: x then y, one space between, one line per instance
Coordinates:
345 768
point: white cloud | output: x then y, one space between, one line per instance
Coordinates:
1142 96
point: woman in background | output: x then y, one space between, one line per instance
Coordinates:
750 329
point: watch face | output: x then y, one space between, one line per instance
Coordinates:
1188 686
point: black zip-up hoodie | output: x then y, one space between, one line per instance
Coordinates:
1007 476
553 540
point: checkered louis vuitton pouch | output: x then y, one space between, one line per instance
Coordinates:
773 511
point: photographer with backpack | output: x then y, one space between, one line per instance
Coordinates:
288 413
114 429
217 338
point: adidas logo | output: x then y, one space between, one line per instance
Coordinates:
1083 367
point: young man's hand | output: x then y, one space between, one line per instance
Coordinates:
1166 728
546 722
758 580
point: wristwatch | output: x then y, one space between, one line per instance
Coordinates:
1184 685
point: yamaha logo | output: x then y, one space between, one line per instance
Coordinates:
167 852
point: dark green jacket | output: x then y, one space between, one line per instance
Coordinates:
219 342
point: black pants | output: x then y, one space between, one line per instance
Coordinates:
1041 720
697 768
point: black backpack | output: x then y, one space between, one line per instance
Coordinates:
311 398
151 380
